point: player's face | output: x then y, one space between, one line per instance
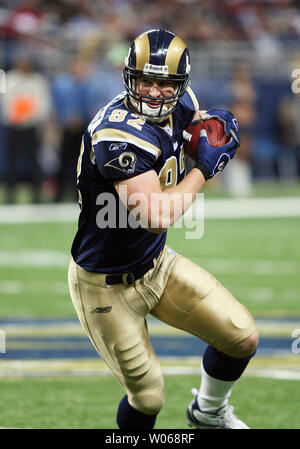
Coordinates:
155 89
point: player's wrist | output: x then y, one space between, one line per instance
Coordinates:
204 169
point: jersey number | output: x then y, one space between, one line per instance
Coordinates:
168 175
118 115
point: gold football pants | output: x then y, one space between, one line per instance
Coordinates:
177 292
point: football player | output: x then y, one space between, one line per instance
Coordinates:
121 270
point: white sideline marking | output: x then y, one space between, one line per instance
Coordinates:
268 373
34 257
41 258
252 207
169 371
17 287
39 213
213 208
274 374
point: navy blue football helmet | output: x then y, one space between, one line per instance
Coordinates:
161 56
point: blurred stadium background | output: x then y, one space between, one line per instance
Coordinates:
60 62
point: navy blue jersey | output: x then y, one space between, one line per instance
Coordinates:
118 145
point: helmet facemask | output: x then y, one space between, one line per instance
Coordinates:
140 102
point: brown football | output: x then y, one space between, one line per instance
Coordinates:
215 134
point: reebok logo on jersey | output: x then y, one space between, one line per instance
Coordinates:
117 146
125 163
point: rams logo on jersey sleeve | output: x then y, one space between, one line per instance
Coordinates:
125 163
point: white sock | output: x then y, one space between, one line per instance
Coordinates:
213 393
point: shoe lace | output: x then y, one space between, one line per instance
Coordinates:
228 412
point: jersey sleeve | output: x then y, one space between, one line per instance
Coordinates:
189 106
120 155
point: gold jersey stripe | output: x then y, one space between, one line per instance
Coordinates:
171 122
142 51
117 135
175 50
80 158
193 98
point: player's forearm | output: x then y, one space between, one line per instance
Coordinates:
192 183
169 205
154 208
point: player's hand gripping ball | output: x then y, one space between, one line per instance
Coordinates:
215 134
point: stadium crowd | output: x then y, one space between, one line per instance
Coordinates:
63 60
